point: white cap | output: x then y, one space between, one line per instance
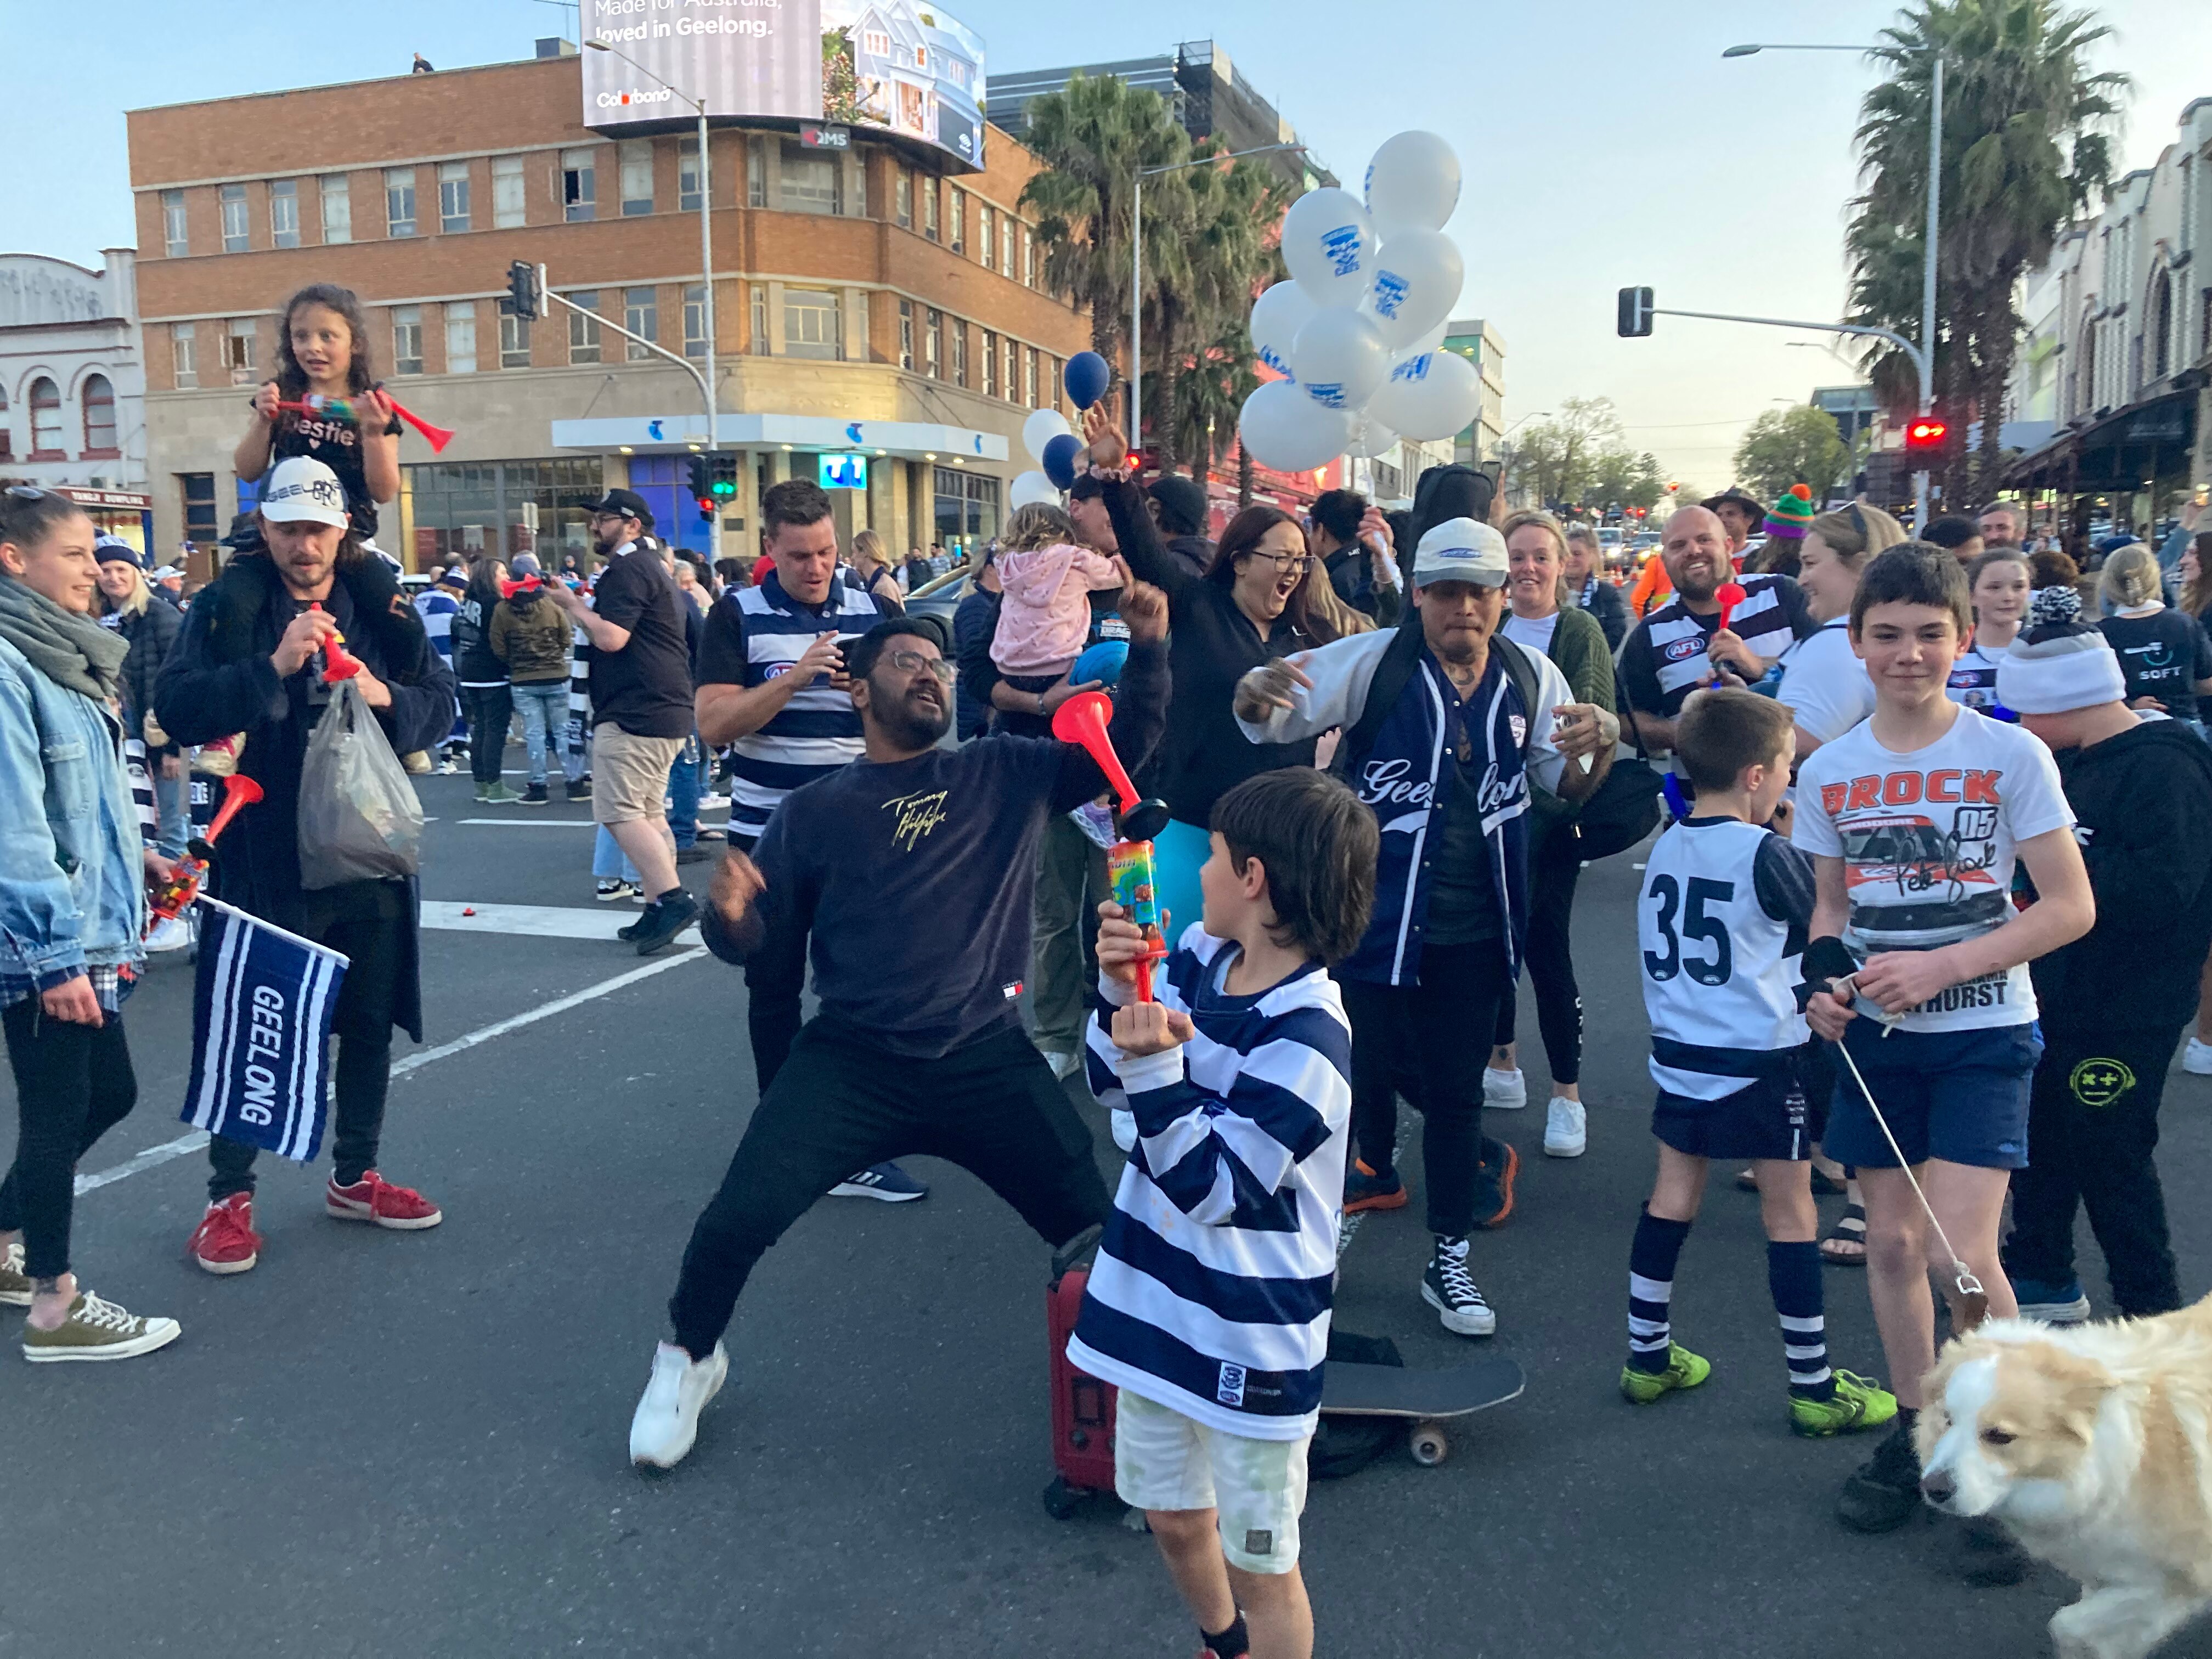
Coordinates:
302 487
1461 550
167 572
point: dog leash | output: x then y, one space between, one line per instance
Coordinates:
1972 1297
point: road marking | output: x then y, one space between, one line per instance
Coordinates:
184 1145
540 823
531 920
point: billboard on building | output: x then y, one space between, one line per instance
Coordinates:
895 64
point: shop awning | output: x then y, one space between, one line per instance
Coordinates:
107 500
677 435
2150 437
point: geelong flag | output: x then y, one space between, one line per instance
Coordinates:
261 1033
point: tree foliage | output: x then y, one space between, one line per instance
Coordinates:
1799 445
1581 455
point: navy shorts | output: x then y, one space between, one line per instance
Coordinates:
1766 1118
1959 1096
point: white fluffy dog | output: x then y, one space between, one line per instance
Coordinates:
2092 1444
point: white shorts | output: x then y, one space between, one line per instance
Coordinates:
1165 1460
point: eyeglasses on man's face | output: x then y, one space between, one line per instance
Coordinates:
913 662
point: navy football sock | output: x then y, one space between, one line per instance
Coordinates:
1652 1260
1793 1276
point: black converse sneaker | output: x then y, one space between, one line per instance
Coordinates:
1446 1287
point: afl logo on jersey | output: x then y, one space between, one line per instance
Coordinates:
1683 649
776 670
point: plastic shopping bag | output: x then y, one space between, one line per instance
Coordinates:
359 818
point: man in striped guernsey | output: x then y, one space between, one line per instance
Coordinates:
1209 1304
1721 922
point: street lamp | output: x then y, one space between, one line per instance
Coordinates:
706 257
1137 273
1927 364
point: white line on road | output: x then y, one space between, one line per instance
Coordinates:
531 921
540 823
185 1145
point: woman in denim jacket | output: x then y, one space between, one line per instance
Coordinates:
72 907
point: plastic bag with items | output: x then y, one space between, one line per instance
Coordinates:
359 818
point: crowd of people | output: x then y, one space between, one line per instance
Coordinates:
1924 802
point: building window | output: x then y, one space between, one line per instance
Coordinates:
929 209
399 201
46 420
238 351
406 339
236 238
641 315
986 248
687 175
1029 258
902 197
1047 381
812 182
1029 378
337 209
452 197
184 362
756 341
757 172
99 418
508 200
810 323
636 176
959 353
197 490
990 364
932 345
514 343
584 331
1013 368
966 507
694 320
284 213
906 334
959 239
461 339
579 189
173 239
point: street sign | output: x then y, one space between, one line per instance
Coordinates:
814 137
841 471
1635 320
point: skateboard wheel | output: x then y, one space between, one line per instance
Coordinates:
1427 1443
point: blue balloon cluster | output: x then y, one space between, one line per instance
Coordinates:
1085 377
1103 662
1059 457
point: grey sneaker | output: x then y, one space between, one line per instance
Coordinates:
498 794
15 1289
98 1330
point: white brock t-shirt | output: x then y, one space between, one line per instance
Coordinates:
1927 841
1824 683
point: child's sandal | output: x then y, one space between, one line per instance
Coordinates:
1846 1244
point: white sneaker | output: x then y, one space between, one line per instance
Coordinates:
1063 1066
713 803
2197 1057
1505 1091
1124 1129
169 933
1566 1128
668 1418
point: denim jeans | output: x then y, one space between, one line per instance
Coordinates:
686 783
171 812
544 706
609 861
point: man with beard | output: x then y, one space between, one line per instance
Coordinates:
907 875
1453 735
1681 646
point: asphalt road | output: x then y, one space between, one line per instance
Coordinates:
382 1444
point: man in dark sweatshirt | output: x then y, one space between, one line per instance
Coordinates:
2113 1002
906 877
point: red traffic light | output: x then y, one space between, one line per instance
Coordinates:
1926 432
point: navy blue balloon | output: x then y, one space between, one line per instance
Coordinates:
1086 378
1059 458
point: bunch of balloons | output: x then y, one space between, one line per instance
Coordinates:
1357 333
1051 442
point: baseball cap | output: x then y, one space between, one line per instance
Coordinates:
167 572
303 489
626 502
114 548
1461 550
525 564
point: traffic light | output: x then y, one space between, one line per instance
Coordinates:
521 291
722 476
1925 433
1635 319
703 486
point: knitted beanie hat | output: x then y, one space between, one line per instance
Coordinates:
1790 515
2059 665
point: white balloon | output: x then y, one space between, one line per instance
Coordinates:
1339 359
1429 342
1040 429
1029 486
1370 440
1412 184
1329 246
1277 317
1429 397
1417 275
1289 431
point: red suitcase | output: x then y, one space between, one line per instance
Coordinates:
1082 1406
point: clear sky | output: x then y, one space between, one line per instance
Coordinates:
1605 142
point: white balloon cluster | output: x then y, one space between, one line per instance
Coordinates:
1356 331
1040 429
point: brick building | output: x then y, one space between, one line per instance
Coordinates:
877 299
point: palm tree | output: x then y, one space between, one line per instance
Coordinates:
1209 394
2027 135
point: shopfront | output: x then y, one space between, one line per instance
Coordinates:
967 509
123 513
461 509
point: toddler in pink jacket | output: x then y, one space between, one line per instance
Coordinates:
1048 580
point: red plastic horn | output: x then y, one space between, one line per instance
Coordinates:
437 436
1730 594
338 663
238 790
1082 720
527 585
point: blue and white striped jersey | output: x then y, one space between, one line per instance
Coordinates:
1212 1292
437 608
752 635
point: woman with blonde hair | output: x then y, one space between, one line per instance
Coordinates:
1824 683
2165 660
873 565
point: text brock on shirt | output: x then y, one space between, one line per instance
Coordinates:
1947 785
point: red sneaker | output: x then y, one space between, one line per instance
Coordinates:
225 1242
373 1198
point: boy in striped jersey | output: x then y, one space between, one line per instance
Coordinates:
1722 923
1209 1305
